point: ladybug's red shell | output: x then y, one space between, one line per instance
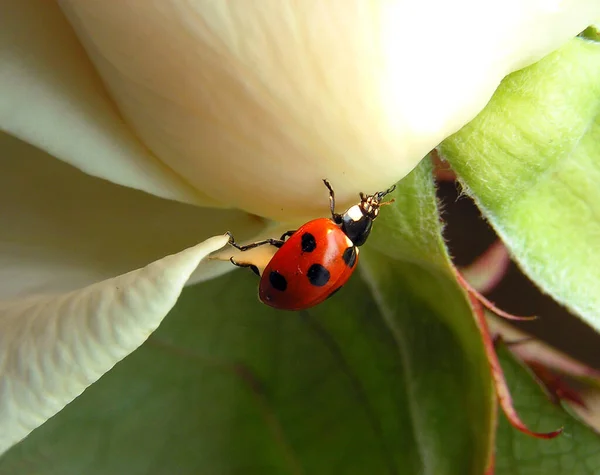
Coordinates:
310 266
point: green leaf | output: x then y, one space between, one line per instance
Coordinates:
411 231
575 452
591 33
387 377
531 162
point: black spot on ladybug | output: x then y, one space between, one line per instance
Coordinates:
349 256
277 281
334 292
309 243
318 275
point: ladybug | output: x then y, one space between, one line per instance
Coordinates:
313 262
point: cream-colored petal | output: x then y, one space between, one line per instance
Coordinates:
51 97
267 98
61 229
53 347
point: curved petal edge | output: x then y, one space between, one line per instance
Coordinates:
52 347
53 99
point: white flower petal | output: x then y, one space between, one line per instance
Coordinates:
53 347
61 229
267 98
52 98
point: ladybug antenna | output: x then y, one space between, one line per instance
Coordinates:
381 194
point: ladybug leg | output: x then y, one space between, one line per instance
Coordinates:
287 234
273 242
337 218
252 267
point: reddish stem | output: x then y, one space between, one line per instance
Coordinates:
502 389
441 168
558 388
486 272
485 302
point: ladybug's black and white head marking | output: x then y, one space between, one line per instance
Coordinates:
357 221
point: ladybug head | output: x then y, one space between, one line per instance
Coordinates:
357 221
